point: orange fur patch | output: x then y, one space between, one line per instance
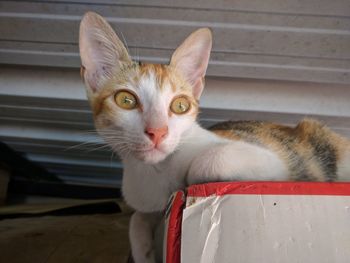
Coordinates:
310 149
159 70
164 75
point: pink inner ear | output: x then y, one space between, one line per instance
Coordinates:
194 73
198 88
191 58
92 79
101 50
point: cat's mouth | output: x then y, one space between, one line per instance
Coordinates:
148 150
151 155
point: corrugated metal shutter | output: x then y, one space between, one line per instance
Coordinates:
287 40
272 60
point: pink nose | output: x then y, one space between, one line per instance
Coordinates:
157 135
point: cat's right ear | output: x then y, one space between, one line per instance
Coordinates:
102 52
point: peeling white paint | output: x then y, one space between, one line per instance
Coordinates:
266 228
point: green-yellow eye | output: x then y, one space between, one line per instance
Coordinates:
125 100
180 105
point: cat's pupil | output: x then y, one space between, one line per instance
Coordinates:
182 107
128 101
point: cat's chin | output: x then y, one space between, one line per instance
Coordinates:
152 156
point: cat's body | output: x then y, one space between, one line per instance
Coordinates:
256 151
147 114
310 151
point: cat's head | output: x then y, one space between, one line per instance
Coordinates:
141 109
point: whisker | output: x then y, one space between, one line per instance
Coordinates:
99 148
111 159
124 41
83 144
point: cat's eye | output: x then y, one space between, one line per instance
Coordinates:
180 105
126 100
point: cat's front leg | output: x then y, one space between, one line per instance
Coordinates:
237 161
142 231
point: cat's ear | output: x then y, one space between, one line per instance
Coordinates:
191 58
102 52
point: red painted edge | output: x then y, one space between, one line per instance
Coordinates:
173 247
268 188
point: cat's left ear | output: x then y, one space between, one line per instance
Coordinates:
191 58
102 52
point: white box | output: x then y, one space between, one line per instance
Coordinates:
260 222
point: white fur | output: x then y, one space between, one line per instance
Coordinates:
210 158
142 229
147 187
237 161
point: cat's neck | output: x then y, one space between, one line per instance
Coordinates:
147 187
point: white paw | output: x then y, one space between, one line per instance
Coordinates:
141 235
236 161
209 166
147 257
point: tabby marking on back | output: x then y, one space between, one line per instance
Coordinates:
310 149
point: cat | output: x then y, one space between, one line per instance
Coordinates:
147 114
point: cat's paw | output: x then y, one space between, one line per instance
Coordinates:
209 166
236 161
143 252
141 237
148 257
